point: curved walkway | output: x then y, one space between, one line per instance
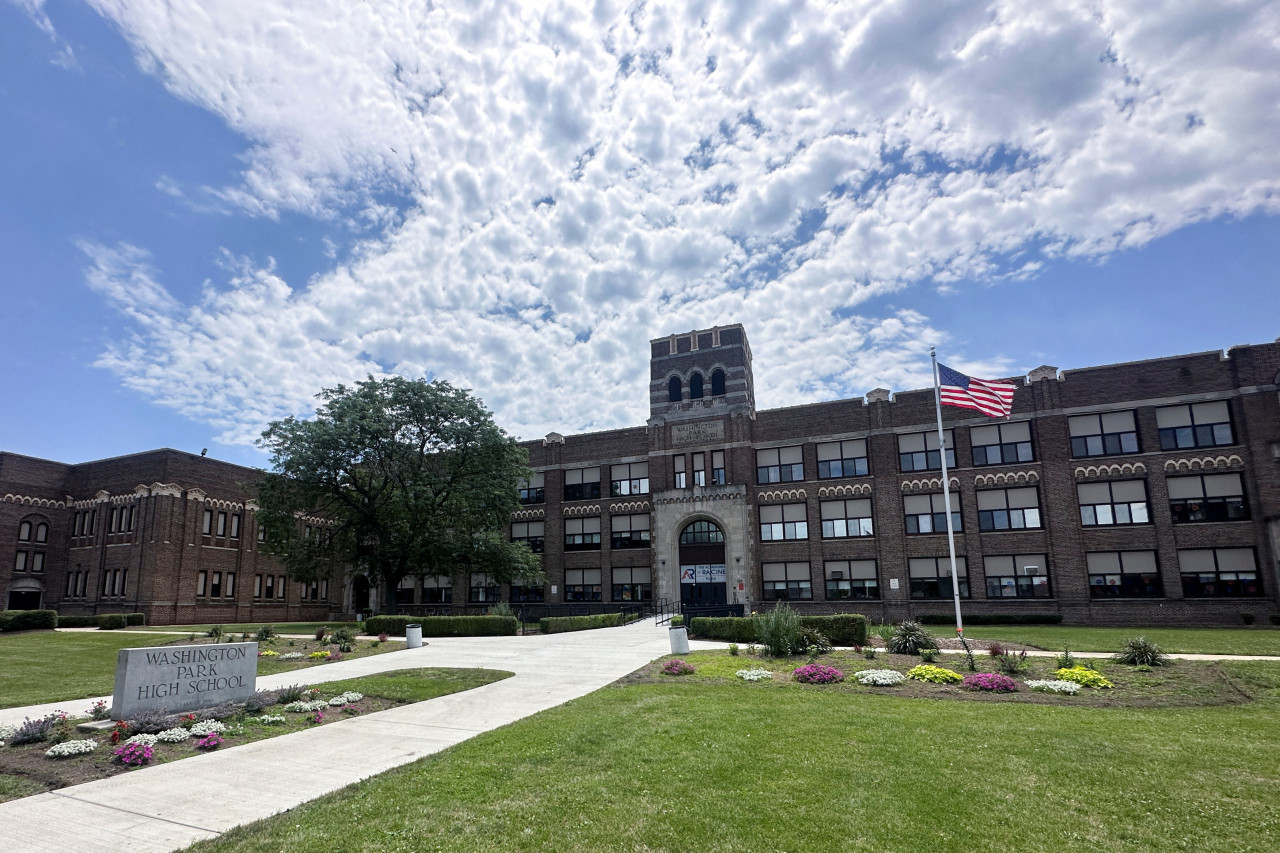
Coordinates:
169 806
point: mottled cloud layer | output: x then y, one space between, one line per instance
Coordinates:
538 189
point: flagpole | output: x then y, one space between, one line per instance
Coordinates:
946 491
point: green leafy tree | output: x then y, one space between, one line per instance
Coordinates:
394 478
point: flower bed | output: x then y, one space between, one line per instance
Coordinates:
676 666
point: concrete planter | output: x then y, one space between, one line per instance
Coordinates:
679 641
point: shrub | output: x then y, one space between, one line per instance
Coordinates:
562 624
677 621
995 649
112 621
756 674
909 638
779 631
928 655
1066 660
991 682
134 619
152 721
38 730
869 653
676 666
32 620
1274 619
935 674
261 699
75 622
1247 618
1084 677
814 642
502 608
214 631
68 748
733 650
734 629
816 673
445 626
1070 688
1140 651
320 632
842 629
1012 663
342 637
292 693
5 616
880 677
264 633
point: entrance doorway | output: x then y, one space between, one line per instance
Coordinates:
702 579
360 593
24 599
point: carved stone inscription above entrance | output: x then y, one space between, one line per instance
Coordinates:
705 432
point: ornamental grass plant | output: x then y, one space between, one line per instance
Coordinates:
909 638
779 631
1139 651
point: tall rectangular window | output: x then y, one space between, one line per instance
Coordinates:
269 586
257 586
1008 509
918 451
681 475
201 580
1118 502
20 561
222 524
843 459
113 523
1209 497
632 584
280 590
581 584
1123 574
483 589
1218 572
1194 425
631 478
215 585
928 513
84 583
718 474
37 561
404 591
931 577
851 579
91 526
235 526
206 526
779 465
787 582
581 484
1001 444
1105 434
1017 576
534 491
130 522
629 531
230 588
531 533
846 518
700 469
582 534
785 521
71 584
437 589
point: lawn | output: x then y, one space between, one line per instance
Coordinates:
52 666
301 628
1215 641
694 763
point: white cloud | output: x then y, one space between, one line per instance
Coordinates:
579 177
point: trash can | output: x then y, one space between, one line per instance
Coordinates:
413 636
679 640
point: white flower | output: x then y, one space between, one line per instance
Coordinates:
207 727
292 656
7 732
304 707
145 740
754 674
880 677
346 698
177 735
71 747
270 719
1068 687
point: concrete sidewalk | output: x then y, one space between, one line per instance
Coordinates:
172 805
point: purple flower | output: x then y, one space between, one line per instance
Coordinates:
992 682
213 740
677 666
816 673
135 754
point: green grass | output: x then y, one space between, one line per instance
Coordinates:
1213 641
13 787
308 628
51 666
416 685
690 764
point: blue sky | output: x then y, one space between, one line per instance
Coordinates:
211 210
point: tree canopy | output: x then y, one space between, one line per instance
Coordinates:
396 478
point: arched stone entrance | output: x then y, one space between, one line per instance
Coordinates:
702 569
25 594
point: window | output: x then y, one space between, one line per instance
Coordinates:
235 526
534 490
1196 425
1123 574
842 459
931 577
695 386
24 531
37 561
1212 497
1121 502
207 526
201 582
700 469
928 513
531 533
280 587
405 591
215 585
787 582
91 523
701 533
717 383
72 578
918 451
257 586
632 584
1018 576
437 589
629 531
779 465
1001 444
785 521
851 579
230 588
262 533
582 534
717 468
483 589
77 524
581 584
84 583
269 587
324 590
222 524
630 479
20 562
1008 509
1214 572
1107 434
674 391
527 594
113 522
581 484
846 518
682 481
42 529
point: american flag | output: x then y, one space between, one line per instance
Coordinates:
990 398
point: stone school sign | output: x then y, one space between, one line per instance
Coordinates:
180 678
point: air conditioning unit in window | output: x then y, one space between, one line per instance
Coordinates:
837 576
1030 570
